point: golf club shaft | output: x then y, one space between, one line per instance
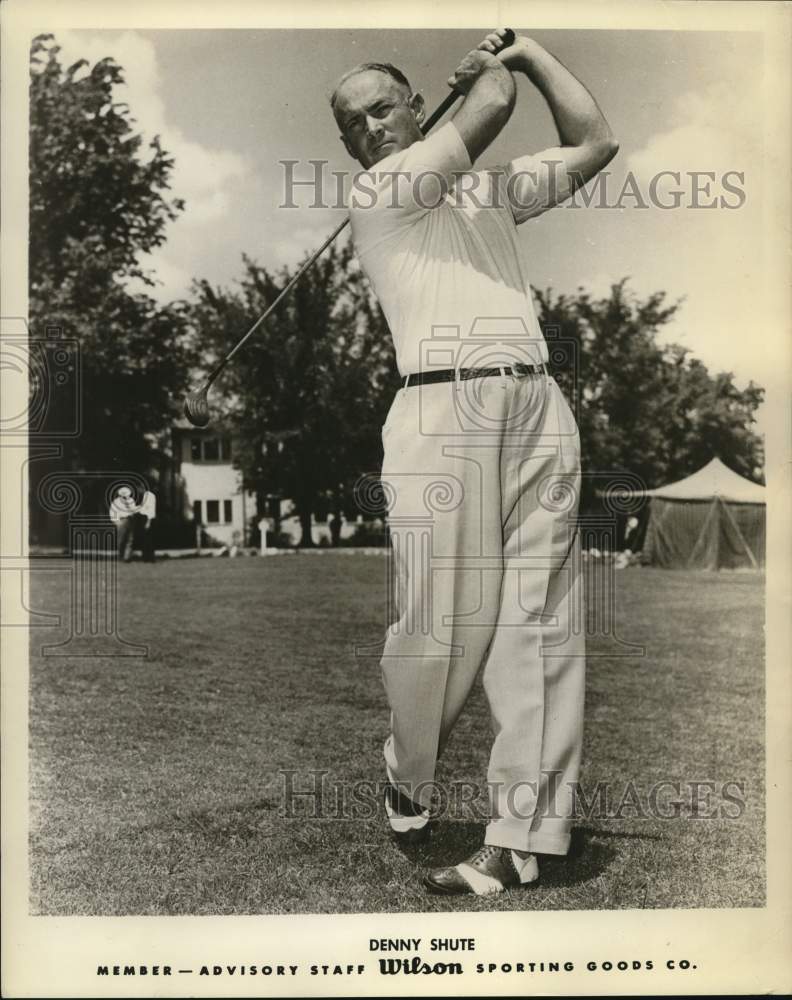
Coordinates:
508 39
309 263
435 117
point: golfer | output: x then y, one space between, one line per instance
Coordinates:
481 451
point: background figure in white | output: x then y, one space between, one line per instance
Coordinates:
123 510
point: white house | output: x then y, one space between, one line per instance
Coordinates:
213 497
212 486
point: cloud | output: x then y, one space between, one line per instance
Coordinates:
711 255
291 248
206 178
715 129
173 280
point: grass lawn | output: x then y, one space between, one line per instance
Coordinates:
155 784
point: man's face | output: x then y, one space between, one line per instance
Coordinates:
377 116
125 493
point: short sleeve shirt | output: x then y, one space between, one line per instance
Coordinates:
439 244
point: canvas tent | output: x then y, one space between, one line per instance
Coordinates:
714 519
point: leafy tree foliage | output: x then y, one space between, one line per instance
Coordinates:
650 409
98 202
308 398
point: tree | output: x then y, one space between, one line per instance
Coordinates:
308 398
94 202
644 408
98 203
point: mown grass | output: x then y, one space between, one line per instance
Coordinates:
156 784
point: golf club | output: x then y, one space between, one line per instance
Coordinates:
196 404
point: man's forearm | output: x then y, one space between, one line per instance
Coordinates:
578 119
488 102
493 92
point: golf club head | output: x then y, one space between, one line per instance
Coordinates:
196 407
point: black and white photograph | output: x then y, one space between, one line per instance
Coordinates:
396 450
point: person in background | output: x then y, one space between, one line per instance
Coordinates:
145 517
123 511
334 524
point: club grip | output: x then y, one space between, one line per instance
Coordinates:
506 41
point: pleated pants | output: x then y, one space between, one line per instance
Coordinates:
482 478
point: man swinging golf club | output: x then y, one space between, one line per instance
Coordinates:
478 417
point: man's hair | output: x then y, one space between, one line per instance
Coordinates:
387 68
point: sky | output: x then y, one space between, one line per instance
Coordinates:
229 105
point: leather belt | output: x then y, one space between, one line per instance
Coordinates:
452 374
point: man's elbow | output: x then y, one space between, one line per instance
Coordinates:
607 148
500 104
504 105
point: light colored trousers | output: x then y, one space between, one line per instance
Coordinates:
482 476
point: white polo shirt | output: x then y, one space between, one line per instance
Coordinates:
438 242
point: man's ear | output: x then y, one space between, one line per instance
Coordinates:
416 102
347 147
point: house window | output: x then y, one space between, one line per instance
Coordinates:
197 511
212 511
210 449
228 513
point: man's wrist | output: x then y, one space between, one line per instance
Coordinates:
530 53
493 66
499 74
